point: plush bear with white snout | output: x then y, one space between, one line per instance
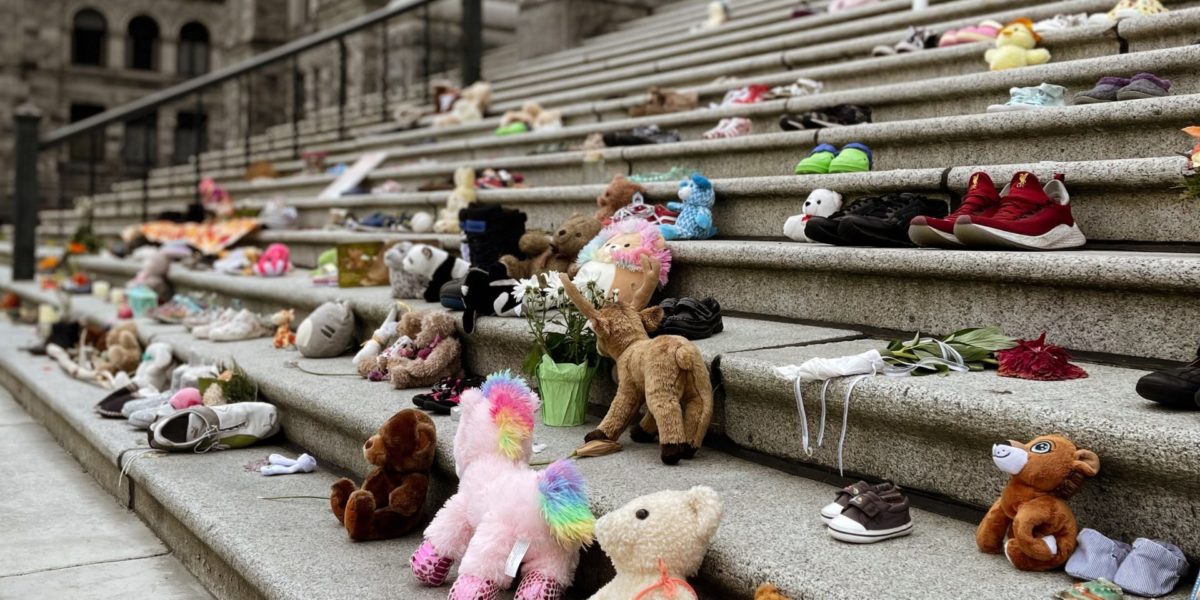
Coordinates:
820 203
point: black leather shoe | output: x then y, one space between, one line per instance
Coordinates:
1177 387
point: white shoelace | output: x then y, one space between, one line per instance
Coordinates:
804 435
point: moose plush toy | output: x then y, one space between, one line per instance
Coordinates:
392 497
554 252
667 373
1033 509
656 542
504 509
616 196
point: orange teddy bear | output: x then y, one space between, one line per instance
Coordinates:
1045 473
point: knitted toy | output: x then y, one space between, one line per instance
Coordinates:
503 508
656 542
667 373
1033 507
437 266
1015 47
820 203
613 258
695 221
616 196
390 502
436 350
404 284
153 275
274 261
462 196
282 320
470 106
555 252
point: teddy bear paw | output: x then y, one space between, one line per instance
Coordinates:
430 568
470 587
673 453
539 586
594 435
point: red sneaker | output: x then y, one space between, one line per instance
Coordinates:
1030 218
981 200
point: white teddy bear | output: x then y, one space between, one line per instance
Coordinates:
820 203
656 542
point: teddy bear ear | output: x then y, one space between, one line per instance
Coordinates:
705 504
1086 462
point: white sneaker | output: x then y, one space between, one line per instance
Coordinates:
202 331
204 428
245 325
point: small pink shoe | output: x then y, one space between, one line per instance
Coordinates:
539 586
470 587
430 569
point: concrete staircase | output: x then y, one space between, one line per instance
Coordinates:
1124 304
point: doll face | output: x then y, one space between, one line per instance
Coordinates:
621 243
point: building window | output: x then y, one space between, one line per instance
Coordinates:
141 141
81 147
89 36
141 49
193 50
191 135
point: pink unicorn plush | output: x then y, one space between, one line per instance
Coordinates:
274 262
504 509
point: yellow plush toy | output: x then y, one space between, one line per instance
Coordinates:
1015 47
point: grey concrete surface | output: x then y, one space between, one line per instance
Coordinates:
62 536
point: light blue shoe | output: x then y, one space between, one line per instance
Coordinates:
1046 95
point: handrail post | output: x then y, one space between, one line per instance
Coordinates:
472 42
297 106
25 192
341 88
200 126
383 75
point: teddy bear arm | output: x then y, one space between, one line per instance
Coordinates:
409 497
339 494
1042 517
990 534
674 206
443 360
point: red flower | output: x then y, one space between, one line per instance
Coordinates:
1039 361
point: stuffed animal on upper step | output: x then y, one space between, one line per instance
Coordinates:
435 264
153 274
617 195
462 196
470 106
613 259
327 332
274 262
1033 508
404 284
557 251
695 221
434 353
391 500
123 351
154 372
656 542
488 292
1016 47
505 515
820 203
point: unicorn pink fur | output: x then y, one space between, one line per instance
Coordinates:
502 502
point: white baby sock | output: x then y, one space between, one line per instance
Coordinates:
282 465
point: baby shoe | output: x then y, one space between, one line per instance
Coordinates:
729 127
817 162
1046 95
830 511
854 158
1096 556
1105 91
1144 85
1152 569
871 518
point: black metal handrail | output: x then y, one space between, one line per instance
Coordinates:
29 144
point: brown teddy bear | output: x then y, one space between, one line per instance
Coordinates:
123 351
553 252
616 196
434 353
1045 473
392 497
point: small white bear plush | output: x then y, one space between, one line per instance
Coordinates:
656 542
820 203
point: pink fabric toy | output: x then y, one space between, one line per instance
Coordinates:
185 398
274 262
502 505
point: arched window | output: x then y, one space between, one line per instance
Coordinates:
141 49
89 36
193 50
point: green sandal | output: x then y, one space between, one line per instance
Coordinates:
817 162
854 158
512 128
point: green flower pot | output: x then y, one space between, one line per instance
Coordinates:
564 390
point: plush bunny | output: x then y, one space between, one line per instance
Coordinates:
820 203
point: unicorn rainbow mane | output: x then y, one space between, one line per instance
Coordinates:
512 406
564 504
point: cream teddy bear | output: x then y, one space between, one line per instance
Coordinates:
656 542
820 203
461 197
1015 47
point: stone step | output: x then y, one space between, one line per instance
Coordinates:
761 504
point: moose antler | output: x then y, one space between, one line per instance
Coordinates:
641 295
578 300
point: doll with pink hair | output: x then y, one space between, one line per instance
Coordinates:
502 506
